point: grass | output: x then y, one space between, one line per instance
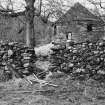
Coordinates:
68 92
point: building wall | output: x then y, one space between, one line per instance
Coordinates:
13 29
80 33
43 32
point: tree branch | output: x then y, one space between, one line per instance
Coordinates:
100 3
12 14
40 8
97 3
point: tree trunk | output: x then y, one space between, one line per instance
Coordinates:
30 35
27 35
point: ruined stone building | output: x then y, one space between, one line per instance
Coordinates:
80 24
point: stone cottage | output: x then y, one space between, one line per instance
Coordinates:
79 24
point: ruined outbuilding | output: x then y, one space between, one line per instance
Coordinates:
79 24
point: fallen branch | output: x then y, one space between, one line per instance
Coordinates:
42 82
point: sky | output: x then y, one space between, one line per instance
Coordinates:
21 3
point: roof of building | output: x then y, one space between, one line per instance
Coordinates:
79 13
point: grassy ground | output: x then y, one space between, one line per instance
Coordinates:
68 92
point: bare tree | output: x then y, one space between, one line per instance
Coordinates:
28 13
30 35
99 7
46 10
